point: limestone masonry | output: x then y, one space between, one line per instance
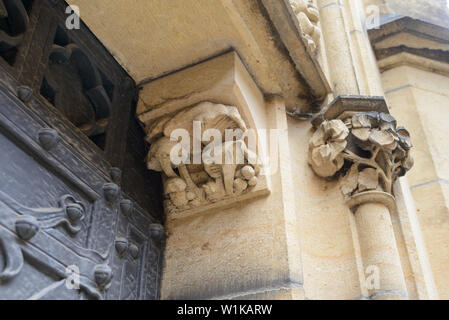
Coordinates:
225 149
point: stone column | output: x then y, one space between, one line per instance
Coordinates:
364 153
416 81
379 251
352 66
367 151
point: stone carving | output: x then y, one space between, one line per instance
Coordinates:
215 178
368 151
326 148
308 17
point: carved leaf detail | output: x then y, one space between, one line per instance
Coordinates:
326 145
384 139
362 134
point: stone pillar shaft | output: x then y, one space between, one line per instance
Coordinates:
352 66
380 254
353 71
341 67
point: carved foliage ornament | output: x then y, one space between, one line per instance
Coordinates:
369 151
308 17
189 184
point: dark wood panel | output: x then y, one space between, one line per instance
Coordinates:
59 204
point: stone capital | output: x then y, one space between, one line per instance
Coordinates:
359 142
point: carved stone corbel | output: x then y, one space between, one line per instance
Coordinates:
208 110
214 180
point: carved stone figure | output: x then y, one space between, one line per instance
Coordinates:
226 166
368 150
308 18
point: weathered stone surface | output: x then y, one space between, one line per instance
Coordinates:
250 250
369 139
326 146
207 28
368 179
224 168
419 106
308 18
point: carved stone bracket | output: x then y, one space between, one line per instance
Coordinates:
308 17
365 149
189 185
206 129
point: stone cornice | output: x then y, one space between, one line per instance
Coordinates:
285 21
412 36
350 103
419 62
